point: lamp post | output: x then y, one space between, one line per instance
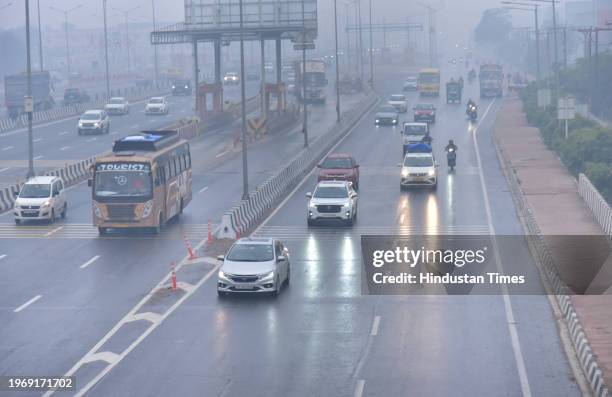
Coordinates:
305 109
65 12
40 45
106 51
537 30
127 35
155 47
337 62
28 106
371 50
245 170
556 52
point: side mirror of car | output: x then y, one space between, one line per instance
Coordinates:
309 195
281 258
399 164
319 166
221 258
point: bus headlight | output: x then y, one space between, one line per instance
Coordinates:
148 207
97 211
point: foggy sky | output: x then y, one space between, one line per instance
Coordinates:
456 18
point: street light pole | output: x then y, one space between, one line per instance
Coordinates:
371 50
127 35
65 12
537 31
106 52
155 47
40 45
28 98
304 104
337 62
556 52
360 41
245 170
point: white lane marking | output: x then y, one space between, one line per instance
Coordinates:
375 326
28 303
359 388
205 188
91 139
37 140
63 133
2 256
5 169
38 157
221 154
307 176
65 148
57 229
89 262
7 148
514 338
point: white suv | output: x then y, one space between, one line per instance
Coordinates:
157 105
419 169
117 105
332 200
41 198
399 102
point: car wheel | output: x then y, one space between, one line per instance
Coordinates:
277 290
102 231
52 218
221 294
310 222
349 222
64 210
157 229
287 280
80 132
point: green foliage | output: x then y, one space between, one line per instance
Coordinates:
588 148
494 27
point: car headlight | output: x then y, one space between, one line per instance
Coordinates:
266 276
431 173
173 87
404 173
312 206
147 209
377 121
186 87
96 124
222 275
346 205
46 204
97 211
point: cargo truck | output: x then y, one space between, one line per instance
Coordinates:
313 76
15 90
491 80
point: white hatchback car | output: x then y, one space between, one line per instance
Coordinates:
117 105
332 200
41 198
258 265
399 102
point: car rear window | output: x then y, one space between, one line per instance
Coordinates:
339 162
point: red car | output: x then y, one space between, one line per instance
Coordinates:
339 166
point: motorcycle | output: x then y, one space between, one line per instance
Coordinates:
472 113
451 158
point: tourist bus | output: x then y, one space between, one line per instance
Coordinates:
143 183
429 82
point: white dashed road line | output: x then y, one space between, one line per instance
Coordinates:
375 326
89 262
7 148
2 256
38 157
5 169
359 388
205 188
221 154
65 148
37 140
28 303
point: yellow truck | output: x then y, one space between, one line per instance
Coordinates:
429 82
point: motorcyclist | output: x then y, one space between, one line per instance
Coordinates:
451 146
451 154
470 104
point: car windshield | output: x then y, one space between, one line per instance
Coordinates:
91 116
386 109
116 100
181 82
114 180
35 190
251 253
418 161
415 130
331 192
397 98
411 79
424 107
338 162
156 100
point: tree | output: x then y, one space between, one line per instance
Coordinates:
494 28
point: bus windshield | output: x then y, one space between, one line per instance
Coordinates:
123 180
429 78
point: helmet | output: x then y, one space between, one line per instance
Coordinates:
450 142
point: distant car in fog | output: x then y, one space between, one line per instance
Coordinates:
425 112
399 102
386 115
411 83
93 122
332 200
231 78
157 105
75 96
255 265
117 105
339 167
181 87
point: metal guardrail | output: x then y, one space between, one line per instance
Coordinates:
596 203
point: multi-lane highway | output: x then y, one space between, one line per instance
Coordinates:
63 288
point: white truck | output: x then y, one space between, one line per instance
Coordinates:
313 77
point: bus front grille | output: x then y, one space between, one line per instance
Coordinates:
121 212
